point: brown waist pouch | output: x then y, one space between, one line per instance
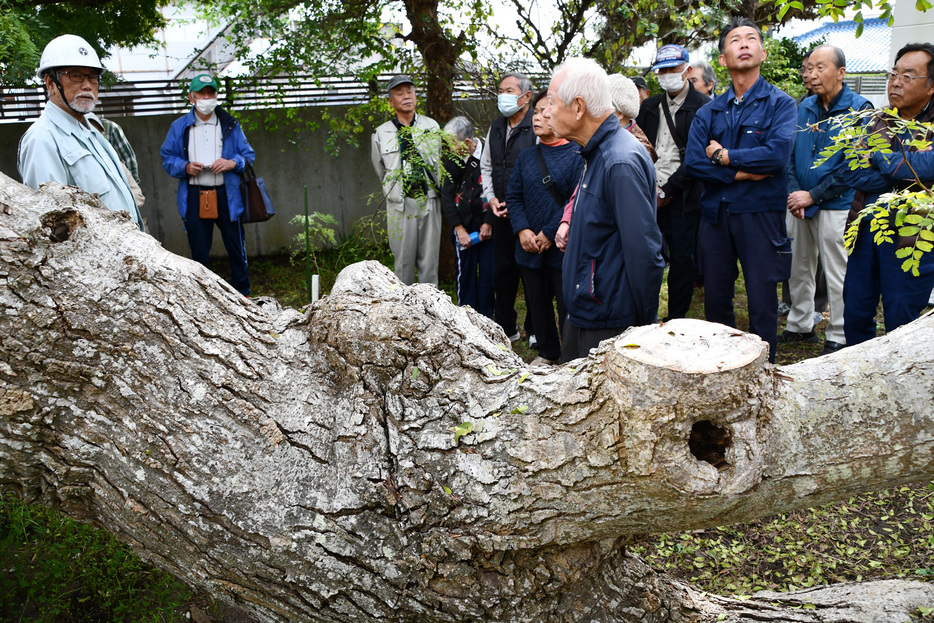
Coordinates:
207 202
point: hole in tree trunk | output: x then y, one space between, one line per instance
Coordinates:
709 442
62 224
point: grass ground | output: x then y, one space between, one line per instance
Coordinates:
54 569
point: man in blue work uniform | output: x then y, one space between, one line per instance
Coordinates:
818 200
739 145
874 270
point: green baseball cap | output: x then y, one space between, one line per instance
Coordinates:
201 81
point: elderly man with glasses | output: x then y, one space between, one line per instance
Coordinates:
874 271
61 146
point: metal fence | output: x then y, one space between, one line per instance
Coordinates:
156 97
867 84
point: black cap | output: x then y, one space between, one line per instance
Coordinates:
397 80
640 82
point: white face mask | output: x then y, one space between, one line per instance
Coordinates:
206 107
508 104
671 82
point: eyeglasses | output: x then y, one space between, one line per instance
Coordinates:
894 75
77 77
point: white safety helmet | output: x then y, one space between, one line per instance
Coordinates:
68 51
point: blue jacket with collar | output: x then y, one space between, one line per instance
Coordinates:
759 137
613 261
825 183
891 171
234 147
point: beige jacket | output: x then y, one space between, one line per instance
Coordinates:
387 158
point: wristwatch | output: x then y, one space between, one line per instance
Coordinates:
716 155
661 193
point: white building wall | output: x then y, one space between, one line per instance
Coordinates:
911 26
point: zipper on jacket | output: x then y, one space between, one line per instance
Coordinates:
593 270
577 195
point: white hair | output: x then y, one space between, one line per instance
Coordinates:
460 127
588 81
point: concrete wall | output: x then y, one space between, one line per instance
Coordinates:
344 186
911 26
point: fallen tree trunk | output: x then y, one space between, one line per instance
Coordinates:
386 456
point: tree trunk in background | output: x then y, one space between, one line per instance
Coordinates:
439 53
305 466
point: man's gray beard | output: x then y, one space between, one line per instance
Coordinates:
82 107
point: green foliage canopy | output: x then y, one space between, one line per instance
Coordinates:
26 27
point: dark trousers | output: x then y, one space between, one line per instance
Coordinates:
542 286
201 232
474 274
577 342
680 234
506 279
760 243
873 271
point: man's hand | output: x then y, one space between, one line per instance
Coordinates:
798 201
193 168
462 236
528 241
752 177
561 237
543 242
486 231
221 164
661 203
714 146
499 207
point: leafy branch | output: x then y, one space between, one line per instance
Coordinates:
906 211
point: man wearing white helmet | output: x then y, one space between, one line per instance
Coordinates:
61 146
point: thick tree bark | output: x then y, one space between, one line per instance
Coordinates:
305 466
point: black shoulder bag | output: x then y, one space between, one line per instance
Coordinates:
671 127
546 177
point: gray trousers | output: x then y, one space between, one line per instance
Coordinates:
415 239
821 236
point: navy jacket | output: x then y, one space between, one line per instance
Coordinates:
760 139
613 262
825 183
531 206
